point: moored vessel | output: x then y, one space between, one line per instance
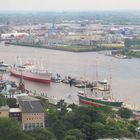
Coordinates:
100 95
4 67
86 99
31 73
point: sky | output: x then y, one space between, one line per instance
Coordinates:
60 5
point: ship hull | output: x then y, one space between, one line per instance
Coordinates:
99 102
31 77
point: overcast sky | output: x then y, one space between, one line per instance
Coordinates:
49 5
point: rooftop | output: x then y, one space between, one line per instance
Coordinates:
26 98
30 105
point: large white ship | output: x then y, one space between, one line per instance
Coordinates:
29 72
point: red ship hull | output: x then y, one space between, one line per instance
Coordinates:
29 76
90 103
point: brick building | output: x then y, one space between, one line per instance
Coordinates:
32 113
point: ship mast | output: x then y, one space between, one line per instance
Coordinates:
96 70
21 86
85 88
110 79
96 76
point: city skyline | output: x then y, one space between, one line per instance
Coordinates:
60 5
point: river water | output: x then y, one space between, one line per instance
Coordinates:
125 73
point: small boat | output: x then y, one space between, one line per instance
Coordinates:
4 67
3 82
65 81
72 81
56 78
120 56
83 85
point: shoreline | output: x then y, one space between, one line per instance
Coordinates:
70 49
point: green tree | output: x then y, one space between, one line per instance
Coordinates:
94 130
73 106
42 134
10 130
98 129
89 122
76 133
2 100
79 116
59 129
69 137
125 113
117 128
68 120
25 136
63 106
51 116
11 102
